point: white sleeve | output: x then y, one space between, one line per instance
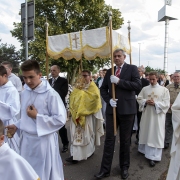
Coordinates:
56 118
11 107
163 105
141 101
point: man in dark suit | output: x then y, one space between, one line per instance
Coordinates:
127 81
162 80
144 83
61 86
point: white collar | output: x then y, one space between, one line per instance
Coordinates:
55 78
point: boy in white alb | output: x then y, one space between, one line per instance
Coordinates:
42 115
12 165
9 106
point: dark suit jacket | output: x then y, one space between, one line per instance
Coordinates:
144 82
166 83
61 86
124 91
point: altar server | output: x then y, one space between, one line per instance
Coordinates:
154 102
42 115
12 165
9 105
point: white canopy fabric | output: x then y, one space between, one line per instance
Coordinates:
90 44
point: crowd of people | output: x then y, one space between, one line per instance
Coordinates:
35 111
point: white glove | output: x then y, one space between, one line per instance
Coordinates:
114 79
113 103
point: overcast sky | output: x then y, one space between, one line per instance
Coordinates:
145 30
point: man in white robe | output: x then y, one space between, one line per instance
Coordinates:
86 125
174 167
154 101
12 165
42 115
9 106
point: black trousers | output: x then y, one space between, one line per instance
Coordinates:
139 114
63 135
125 124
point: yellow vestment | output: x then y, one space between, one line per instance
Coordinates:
84 103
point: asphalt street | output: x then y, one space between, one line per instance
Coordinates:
139 168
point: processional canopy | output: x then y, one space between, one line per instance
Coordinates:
90 44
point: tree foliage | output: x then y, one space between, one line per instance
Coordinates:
65 16
149 69
9 53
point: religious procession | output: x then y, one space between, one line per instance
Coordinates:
86 111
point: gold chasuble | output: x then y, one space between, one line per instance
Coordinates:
84 102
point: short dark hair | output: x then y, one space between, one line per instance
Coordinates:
56 67
153 73
1 128
87 71
117 50
7 63
104 69
30 65
2 70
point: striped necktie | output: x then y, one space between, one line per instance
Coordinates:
118 71
53 81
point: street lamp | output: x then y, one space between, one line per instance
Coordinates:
129 37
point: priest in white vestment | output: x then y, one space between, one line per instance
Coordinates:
174 167
42 115
154 101
12 165
9 106
86 125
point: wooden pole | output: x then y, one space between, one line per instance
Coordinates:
112 70
129 37
47 57
81 66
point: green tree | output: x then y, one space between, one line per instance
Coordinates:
65 16
149 69
9 53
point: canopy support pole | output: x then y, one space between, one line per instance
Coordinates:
112 71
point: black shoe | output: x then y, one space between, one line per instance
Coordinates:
124 174
152 163
166 145
137 142
70 159
65 148
101 175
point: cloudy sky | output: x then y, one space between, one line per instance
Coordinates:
146 32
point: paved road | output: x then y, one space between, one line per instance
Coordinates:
139 168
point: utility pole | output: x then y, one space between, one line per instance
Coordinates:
139 53
27 19
26 30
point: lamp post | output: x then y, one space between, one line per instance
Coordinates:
139 53
129 37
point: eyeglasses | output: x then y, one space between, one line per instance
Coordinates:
85 75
